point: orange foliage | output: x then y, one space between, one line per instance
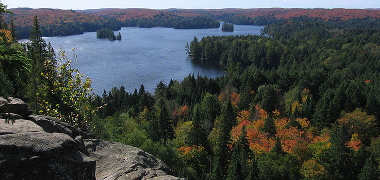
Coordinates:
259 141
367 81
243 115
290 137
324 137
326 14
281 123
260 113
187 149
235 99
236 131
184 110
354 143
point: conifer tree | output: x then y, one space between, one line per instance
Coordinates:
165 125
369 171
13 29
221 152
198 135
269 126
239 167
36 53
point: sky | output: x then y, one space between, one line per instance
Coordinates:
191 4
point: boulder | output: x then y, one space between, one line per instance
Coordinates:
18 126
14 105
116 161
41 155
54 125
10 116
43 147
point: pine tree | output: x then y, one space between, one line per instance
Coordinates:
221 152
269 126
165 125
369 171
13 29
198 135
277 147
238 168
36 53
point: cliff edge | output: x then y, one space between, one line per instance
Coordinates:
42 147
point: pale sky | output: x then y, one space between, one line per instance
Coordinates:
191 4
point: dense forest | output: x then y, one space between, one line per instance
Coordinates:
300 101
55 22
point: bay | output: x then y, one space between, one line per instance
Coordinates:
144 56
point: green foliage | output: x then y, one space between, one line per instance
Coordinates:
107 34
67 95
268 97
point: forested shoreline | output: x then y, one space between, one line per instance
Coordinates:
56 22
300 101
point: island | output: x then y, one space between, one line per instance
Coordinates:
108 34
227 27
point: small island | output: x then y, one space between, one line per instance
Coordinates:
227 27
108 34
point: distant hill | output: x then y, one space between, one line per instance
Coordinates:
56 22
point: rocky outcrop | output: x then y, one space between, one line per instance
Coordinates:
41 147
28 152
116 161
15 106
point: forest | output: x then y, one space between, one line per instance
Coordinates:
300 101
56 22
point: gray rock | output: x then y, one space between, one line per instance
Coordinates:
53 125
116 161
10 116
19 126
16 106
3 101
41 155
36 143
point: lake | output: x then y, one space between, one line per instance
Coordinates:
144 56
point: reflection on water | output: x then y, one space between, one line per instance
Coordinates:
144 56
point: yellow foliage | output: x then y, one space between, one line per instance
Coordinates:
304 122
6 34
296 106
311 169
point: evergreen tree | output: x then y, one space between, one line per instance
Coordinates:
221 152
210 108
195 50
369 171
198 135
13 29
36 53
165 124
239 164
269 126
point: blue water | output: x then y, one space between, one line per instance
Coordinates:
144 56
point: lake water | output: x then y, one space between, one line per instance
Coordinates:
144 56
